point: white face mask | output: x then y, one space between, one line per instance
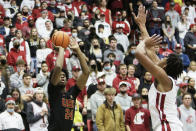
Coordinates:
74 34
10 110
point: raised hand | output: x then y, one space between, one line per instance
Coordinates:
152 41
140 19
73 44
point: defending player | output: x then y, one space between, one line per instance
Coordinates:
62 103
163 92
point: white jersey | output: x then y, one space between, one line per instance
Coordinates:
42 124
163 109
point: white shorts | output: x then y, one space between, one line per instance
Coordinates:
173 127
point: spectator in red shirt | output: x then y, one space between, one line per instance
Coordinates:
15 54
136 117
176 7
164 50
67 26
107 12
19 22
51 58
119 22
123 77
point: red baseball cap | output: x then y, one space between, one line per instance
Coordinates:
178 46
74 68
99 81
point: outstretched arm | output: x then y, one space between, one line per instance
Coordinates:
58 66
82 79
144 49
140 20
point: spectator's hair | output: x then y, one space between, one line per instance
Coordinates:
187 8
110 91
185 94
165 22
47 21
26 75
66 20
101 26
44 98
131 65
174 66
18 31
74 28
112 38
190 78
20 62
192 63
43 3
19 102
122 65
43 62
6 18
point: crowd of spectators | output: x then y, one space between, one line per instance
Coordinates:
116 93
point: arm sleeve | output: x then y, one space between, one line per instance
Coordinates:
31 118
41 80
127 118
93 106
21 125
15 82
122 125
100 119
28 55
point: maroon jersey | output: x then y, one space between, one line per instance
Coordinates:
137 119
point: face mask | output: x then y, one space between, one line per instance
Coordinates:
3 61
133 52
74 34
123 92
10 110
25 13
69 17
164 47
16 46
38 5
145 97
96 46
107 68
93 67
52 2
42 44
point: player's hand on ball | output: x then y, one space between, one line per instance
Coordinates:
152 41
73 44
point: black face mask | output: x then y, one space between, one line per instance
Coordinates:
123 92
96 46
16 46
69 17
145 97
3 61
93 67
25 13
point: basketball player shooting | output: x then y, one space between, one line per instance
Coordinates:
62 102
163 92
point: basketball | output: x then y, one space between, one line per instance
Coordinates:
61 38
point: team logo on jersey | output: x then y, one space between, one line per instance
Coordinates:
139 118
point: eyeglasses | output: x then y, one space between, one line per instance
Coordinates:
187 98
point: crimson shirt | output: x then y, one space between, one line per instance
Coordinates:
137 119
118 79
70 83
